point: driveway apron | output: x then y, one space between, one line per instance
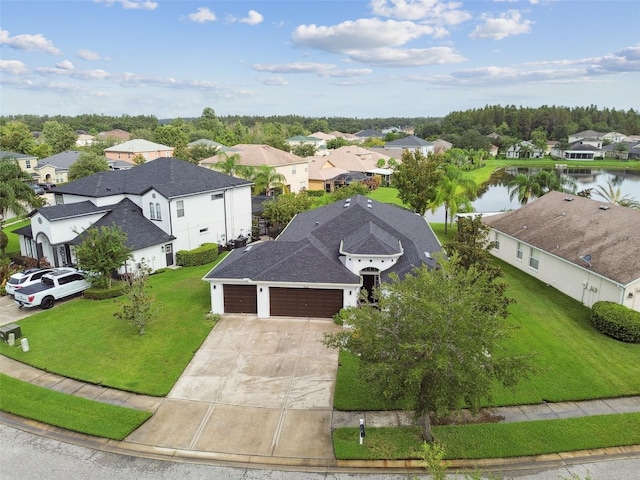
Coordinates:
260 387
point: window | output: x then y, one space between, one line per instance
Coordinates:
152 211
180 208
534 259
204 230
28 163
497 241
293 169
158 212
519 251
216 196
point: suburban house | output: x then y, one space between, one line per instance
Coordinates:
318 143
322 260
84 140
352 158
587 249
55 169
585 134
363 135
128 151
27 162
524 149
115 134
411 143
163 206
295 169
322 172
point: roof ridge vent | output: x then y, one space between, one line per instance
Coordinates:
604 207
568 199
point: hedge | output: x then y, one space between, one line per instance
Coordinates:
205 253
616 321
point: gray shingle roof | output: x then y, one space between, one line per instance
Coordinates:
5 154
576 228
308 250
62 160
69 210
169 176
409 142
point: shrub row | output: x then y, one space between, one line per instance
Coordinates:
616 321
205 253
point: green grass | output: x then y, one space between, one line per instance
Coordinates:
493 440
14 242
82 339
69 412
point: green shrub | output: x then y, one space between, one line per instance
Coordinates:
205 253
315 193
102 293
616 321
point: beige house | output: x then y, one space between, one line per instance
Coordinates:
27 162
322 172
588 250
127 151
117 134
295 169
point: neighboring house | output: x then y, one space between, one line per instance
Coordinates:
116 134
578 151
587 249
163 206
294 168
614 137
128 151
27 162
584 134
524 149
321 174
211 144
85 140
322 259
363 135
411 143
55 169
352 158
441 146
304 140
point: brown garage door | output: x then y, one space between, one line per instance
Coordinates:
240 299
304 302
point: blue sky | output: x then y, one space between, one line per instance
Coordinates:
375 58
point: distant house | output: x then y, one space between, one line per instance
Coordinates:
411 143
441 146
27 162
295 169
55 169
306 140
322 172
322 260
85 139
352 158
587 249
575 137
524 149
363 135
162 206
128 151
116 134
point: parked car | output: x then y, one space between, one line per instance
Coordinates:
25 278
37 189
47 187
61 283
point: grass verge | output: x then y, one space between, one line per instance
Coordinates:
493 440
68 412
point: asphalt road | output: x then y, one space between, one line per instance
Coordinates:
25 455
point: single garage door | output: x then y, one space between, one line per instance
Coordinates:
240 299
304 302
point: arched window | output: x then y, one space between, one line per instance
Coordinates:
152 211
158 212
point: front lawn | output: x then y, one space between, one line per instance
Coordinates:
68 412
82 339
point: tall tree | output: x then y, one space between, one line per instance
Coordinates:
59 136
436 341
265 180
230 165
279 211
416 179
614 195
16 137
87 164
15 193
452 191
103 250
529 186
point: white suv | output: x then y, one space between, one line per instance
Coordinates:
24 279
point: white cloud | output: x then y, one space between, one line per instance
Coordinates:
131 4
508 24
28 42
429 11
252 18
65 65
296 67
14 67
202 15
273 81
395 57
89 55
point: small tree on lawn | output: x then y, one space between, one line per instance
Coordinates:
436 341
103 251
138 309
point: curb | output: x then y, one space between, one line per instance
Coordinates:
318 465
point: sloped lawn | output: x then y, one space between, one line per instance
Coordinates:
82 339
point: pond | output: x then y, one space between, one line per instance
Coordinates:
494 195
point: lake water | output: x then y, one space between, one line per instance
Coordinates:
494 196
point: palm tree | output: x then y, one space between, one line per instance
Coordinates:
614 195
265 179
15 193
527 187
452 191
230 165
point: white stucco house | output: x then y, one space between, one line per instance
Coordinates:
322 259
587 249
524 149
163 206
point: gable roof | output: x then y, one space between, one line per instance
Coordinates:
368 133
69 210
572 229
308 250
169 176
255 155
138 145
140 231
117 133
62 160
356 159
408 142
4 154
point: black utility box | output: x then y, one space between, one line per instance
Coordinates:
7 329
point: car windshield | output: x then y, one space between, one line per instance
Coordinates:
16 281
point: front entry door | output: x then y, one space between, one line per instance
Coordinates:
168 251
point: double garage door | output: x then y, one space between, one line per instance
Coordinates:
284 302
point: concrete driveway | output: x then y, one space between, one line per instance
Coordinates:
256 387
11 313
